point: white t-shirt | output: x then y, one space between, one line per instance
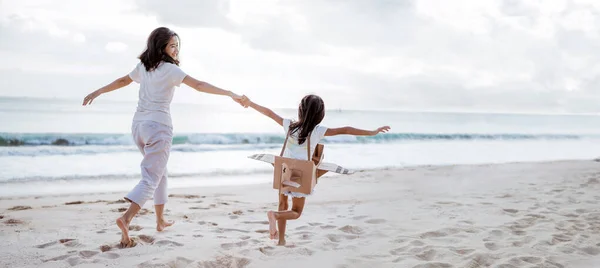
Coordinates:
293 150
156 91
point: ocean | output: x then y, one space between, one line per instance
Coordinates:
56 146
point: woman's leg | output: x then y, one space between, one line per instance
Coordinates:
160 199
154 141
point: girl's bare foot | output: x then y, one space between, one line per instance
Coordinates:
162 224
124 226
272 225
281 242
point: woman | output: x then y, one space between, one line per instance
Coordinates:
158 74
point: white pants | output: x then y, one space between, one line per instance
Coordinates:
154 141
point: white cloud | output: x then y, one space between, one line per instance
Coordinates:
115 47
501 55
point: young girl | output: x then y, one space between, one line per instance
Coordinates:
158 74
310 114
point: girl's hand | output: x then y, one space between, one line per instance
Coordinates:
245 101
89 98
237 98
383 129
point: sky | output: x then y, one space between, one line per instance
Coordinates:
431 55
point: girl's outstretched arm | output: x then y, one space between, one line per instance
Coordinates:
246 102
210 89
355 131
119 83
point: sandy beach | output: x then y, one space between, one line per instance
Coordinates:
498 215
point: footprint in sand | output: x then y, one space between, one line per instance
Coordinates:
58 258
197 235
88 253
304 227
233 217
256 222
310 223
185 196
234 245
135 228
491 246
326 227
69 242
146 239
223 230
358 218
510 210
109 255
336 238
17 208
435 265
73 261
223 261
47 244
201 208
13 222
591 250
305 235
433 234
462 251
177 262
417 243
351 229
375 221
105 248
427 255
167 243
399 251
119 210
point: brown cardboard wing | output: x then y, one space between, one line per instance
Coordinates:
322 167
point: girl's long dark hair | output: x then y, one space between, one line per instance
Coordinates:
155 48
310 113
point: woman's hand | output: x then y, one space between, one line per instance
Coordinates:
237 98
90 97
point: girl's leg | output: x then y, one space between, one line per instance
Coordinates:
160 199
283 216
283 205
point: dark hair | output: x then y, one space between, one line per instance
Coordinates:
310 113
155 48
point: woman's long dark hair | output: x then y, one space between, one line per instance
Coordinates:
310 113
155 48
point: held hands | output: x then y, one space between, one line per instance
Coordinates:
246 101
237 98
383 129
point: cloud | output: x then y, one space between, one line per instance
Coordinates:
115 47
189 13
492 55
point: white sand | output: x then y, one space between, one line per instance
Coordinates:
508 215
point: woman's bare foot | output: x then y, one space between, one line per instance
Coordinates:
272 225
281 242
162 224
124 226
